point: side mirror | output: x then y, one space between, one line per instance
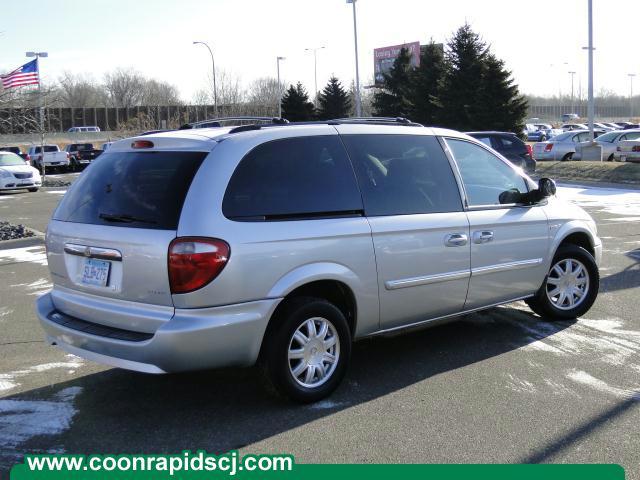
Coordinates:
546 187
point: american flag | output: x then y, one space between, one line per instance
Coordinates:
27 74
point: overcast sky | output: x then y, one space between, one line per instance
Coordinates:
540 41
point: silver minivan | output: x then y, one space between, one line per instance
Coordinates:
282 244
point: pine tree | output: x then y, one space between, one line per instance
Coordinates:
426 84
393 99
333 101
500 105
296 106
466 58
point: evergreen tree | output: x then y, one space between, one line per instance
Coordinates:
426 83
466 58
333 101
500 105
296 106
393 99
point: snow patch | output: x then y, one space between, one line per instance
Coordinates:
600 385
21 420
519 385
616 201
9 381
57 192
35 288
326 404
35 254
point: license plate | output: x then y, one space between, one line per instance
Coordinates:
95 272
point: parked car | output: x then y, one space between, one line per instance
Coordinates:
15 175
81 155
17 151
631 126
628 151
624 124
609 142
613 125
546 131
509 146
569 127
604 127
561 147
421 225
567 117
83 129
53 157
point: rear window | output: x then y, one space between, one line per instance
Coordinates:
293 178
132 189
84 146
48 148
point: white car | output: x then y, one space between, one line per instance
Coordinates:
15 175
628 151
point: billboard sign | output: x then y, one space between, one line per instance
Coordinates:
384 57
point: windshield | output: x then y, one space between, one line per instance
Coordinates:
10 160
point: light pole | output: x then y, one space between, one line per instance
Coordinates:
38 56
279 87
213 65
591 110
573 74
631 75
315 71
355 42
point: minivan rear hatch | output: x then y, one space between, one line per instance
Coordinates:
109 236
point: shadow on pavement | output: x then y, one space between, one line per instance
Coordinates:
122 411
626 278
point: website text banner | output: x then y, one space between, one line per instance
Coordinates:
201 465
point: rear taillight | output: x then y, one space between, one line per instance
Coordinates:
548 147
530 150
636 148
67 155
618 149
194 262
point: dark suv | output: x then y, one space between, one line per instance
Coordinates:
509 146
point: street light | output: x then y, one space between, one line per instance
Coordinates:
315 71
355 42
631 75
213 64
279 87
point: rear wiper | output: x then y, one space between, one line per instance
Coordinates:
124 218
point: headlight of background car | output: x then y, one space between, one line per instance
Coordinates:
4 174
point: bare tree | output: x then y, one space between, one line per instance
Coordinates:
78 91
124 87
156 92
231 95
264 94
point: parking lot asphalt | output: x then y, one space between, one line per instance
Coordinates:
498 386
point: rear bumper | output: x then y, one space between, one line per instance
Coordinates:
193 339
626 156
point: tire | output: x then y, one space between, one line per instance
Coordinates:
33 190
610 159
286 337
567 157
552 306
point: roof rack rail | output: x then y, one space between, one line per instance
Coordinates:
218 121
378 120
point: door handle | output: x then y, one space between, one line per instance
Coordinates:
482 236
456 240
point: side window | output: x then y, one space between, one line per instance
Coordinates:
403 174
486 178
633 136
294 177
485 140
506 142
